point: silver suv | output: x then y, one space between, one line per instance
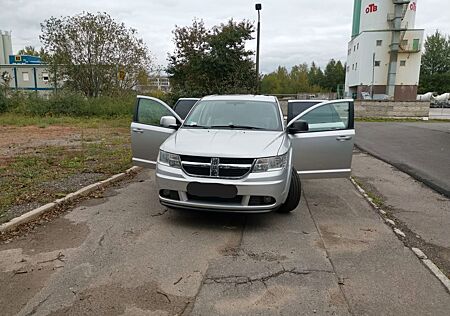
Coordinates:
235 153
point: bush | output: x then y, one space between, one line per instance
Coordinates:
71 104
3 102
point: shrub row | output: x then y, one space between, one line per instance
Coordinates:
67 104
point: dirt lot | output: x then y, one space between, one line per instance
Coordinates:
40 162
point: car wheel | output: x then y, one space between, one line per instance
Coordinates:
295 191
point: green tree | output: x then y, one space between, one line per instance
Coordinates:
315 76
436 57
299 79
94 54
28 50
31 51
302 78
334 74
435 69
212 61
277 82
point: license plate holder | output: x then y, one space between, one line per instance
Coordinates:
225 191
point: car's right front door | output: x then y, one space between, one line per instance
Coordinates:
147 134
325 150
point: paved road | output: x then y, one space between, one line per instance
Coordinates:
420 149
124 254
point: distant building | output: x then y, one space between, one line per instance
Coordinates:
384 54
22 72
161 83
155 83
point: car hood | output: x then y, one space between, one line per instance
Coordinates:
224 143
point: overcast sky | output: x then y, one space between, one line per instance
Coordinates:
292 32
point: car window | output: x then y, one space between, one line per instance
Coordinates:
334 116
253 114
150 112
297 107
182 107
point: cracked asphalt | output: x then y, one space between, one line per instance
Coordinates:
125 254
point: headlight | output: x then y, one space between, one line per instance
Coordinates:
270 163
169 159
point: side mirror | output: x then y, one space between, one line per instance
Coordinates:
298 127
168 121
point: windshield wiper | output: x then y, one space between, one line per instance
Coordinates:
236 126
195 126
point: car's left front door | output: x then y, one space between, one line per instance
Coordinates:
147 134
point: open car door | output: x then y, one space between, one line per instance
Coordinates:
147 134
325 150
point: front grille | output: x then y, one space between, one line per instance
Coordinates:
232 173
213 167
196 170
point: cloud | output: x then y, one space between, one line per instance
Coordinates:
292 31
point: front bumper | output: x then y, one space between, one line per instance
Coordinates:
273 184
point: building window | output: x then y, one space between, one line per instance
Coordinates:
379 42
45 77
353 66
349 51
402 63
377 63
25 76
404 43
348 68
357 46
354 48
356 66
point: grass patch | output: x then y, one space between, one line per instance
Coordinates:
25 177
375 198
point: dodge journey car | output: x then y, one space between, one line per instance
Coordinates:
236 153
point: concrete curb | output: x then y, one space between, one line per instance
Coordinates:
33 214
419 253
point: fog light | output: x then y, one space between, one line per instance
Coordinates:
261 200
169 194
165 193
267 200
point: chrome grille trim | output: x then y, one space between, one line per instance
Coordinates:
197 164
205 169
233 165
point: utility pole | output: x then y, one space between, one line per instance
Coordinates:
373 75
258 8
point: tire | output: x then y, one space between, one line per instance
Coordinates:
294 194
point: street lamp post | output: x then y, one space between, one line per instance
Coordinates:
258 8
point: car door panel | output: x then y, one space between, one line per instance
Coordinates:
323 154
325 151
146 133
146 140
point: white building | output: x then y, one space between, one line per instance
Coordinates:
22 72
384 53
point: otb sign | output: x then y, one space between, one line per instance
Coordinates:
371 8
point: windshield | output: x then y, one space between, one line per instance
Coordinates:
236 114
